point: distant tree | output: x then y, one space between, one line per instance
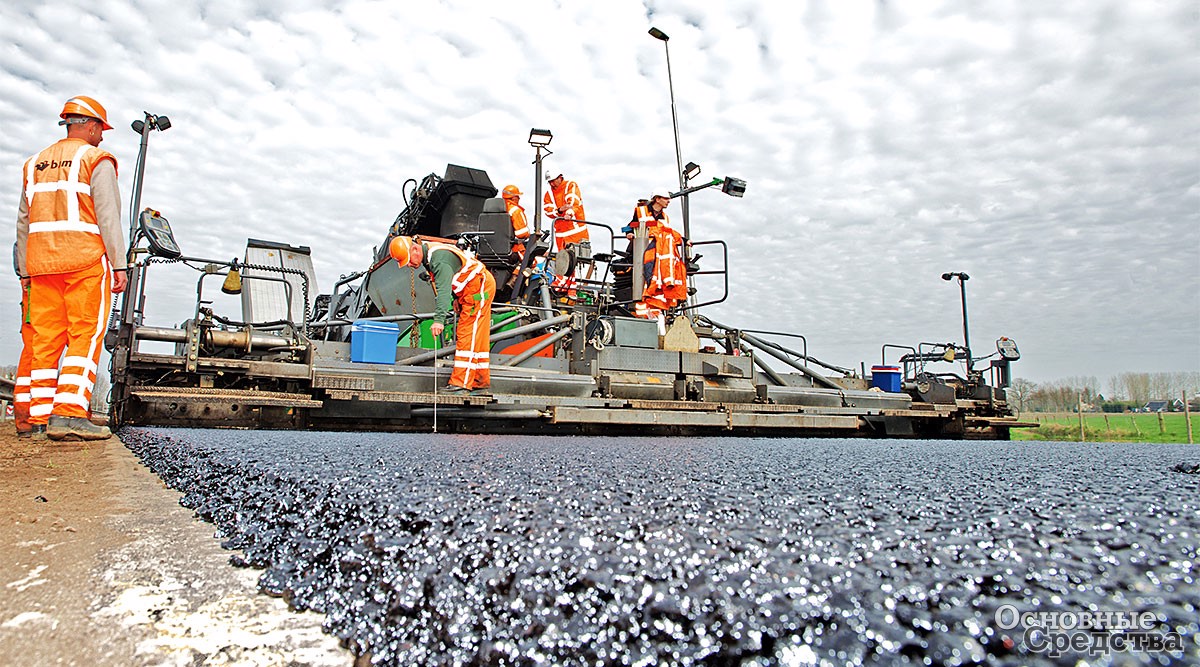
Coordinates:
1133 387
1086 386
100 393
1020 391
1160 386
1139 388
1185 382
1064 395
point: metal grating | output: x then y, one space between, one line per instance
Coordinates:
266 300
359 382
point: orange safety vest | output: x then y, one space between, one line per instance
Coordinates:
471 267
520 225
64 232
666 283
569 227
643 216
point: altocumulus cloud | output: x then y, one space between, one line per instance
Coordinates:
1048 149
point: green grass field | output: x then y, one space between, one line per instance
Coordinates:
1141 427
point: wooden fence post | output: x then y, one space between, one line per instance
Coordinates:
1107 426
1133 420
1162 428
1187 416
1079 407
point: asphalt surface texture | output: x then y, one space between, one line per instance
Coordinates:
450 549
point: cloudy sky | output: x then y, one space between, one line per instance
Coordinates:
1049 149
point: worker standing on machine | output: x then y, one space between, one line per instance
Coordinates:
461 282
70 249
563 203
663 266
516 212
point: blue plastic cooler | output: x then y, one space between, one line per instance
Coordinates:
886 378
373 342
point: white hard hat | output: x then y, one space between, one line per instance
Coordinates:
661 192
551 176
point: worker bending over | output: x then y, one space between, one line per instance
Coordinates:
463 283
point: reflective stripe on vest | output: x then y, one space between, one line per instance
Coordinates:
645 217
551 203
568 198
577 233
517 213
571 192
471 267
64 232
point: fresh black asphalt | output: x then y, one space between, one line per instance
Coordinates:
449 549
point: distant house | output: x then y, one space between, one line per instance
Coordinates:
1156 406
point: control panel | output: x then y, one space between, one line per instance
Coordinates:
158 235
1007 348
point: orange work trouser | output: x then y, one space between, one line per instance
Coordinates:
69 313
24 364
472 336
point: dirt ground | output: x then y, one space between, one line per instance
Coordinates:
99 565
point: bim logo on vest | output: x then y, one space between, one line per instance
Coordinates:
52 164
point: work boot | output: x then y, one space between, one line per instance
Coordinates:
34 432
482 391
75 428
453 389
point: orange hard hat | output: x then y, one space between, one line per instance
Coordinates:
400 248
512 191
82 105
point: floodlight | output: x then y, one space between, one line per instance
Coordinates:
539 138
160 123
734 187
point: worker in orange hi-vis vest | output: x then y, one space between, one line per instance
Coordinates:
24 363
461 280
563 204
516 212
664 270
71 256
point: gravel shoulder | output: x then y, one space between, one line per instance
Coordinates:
101 566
